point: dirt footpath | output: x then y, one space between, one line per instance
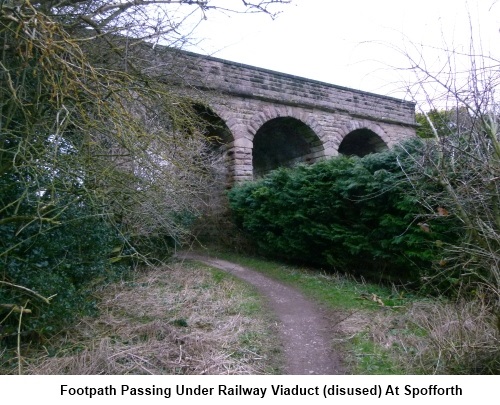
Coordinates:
306 334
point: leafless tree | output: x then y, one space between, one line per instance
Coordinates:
59 94
462 158
83 124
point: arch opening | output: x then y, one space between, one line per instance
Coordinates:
283 141
361 142
214 128
214 152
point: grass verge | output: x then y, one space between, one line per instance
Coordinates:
384 330
183 319
192 319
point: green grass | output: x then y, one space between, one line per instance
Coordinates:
370 358
206 308
344 294
335 290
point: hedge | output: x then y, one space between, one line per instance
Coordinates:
351 214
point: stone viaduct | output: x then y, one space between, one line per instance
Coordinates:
266 119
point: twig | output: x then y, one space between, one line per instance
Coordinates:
19 366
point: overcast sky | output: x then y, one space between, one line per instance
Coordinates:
352 43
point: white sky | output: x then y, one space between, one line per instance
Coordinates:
350 43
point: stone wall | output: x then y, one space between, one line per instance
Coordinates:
246 81
246 97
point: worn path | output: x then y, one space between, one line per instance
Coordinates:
306 334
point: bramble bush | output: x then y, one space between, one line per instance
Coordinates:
350 214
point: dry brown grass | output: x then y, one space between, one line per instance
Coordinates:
433 337
178 320
461 338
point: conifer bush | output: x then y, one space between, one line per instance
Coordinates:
350 214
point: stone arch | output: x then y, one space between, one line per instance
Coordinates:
363 138
258 120
220 140
283 140
215 128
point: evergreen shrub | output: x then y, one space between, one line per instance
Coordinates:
351 214
56 246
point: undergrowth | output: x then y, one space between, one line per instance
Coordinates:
389 330
192 319
183 319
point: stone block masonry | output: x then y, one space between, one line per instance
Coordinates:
247 98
